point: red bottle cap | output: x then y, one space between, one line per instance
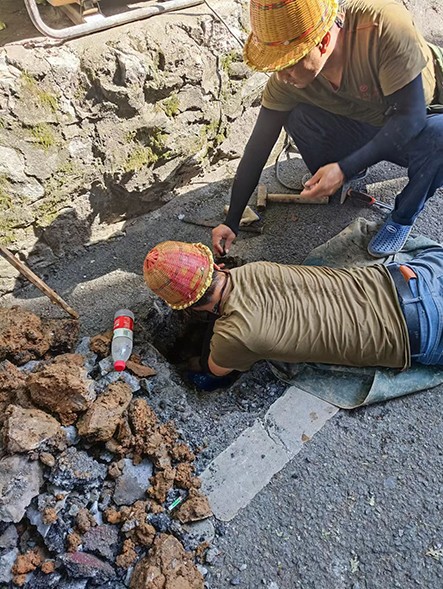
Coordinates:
119 365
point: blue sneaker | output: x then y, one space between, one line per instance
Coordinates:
389 239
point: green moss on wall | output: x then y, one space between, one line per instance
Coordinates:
44 135
170 105
226 61
147 147
8 220
5 198
46 100
139 157
59 190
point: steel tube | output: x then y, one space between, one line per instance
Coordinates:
108 22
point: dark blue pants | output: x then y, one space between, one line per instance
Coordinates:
426 294
323 138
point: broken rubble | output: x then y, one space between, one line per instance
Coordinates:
132 484
20 481
101 419
195 508
102 541
94 511
12 387
167 565
25 337
7 560
26 429
139 369
101 344
81 564
199 532
75 469
62 387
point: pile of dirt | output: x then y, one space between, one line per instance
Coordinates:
93 486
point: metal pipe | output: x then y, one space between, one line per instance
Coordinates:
106 23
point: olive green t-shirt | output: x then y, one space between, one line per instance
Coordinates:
383 53
310 314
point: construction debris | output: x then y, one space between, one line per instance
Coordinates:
88 470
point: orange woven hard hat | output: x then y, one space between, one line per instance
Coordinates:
179 272
284 31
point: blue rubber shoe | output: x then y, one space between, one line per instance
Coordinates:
389 240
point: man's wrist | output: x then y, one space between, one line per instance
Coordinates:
233 226
348 168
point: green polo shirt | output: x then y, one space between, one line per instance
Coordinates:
315 314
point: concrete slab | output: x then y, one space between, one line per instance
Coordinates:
233 479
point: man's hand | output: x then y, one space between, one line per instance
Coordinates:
325 181
222 238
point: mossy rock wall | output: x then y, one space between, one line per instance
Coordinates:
105 128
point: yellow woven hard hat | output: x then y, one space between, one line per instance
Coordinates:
284 31
179 272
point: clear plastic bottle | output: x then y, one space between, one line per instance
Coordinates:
121 348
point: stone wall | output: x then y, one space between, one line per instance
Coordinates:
102 129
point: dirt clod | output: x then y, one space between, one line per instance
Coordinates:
25 337
195 508
101 344
167 565
62 387
101 419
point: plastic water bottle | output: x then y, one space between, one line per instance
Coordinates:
121 348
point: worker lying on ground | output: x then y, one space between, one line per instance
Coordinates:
369 316
354 84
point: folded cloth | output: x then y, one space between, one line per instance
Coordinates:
248 217
349 387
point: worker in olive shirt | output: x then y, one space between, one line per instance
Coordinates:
369 316
354 83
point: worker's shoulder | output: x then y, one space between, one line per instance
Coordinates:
377 9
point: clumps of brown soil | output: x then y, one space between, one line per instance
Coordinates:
30 561
26 429
101 344
12 387
84 521
62 387
25 337
167 565
143 435
128 555
195 508
114 422
102 418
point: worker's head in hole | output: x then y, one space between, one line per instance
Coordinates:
294 38
183 274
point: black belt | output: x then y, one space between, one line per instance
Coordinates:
408 304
